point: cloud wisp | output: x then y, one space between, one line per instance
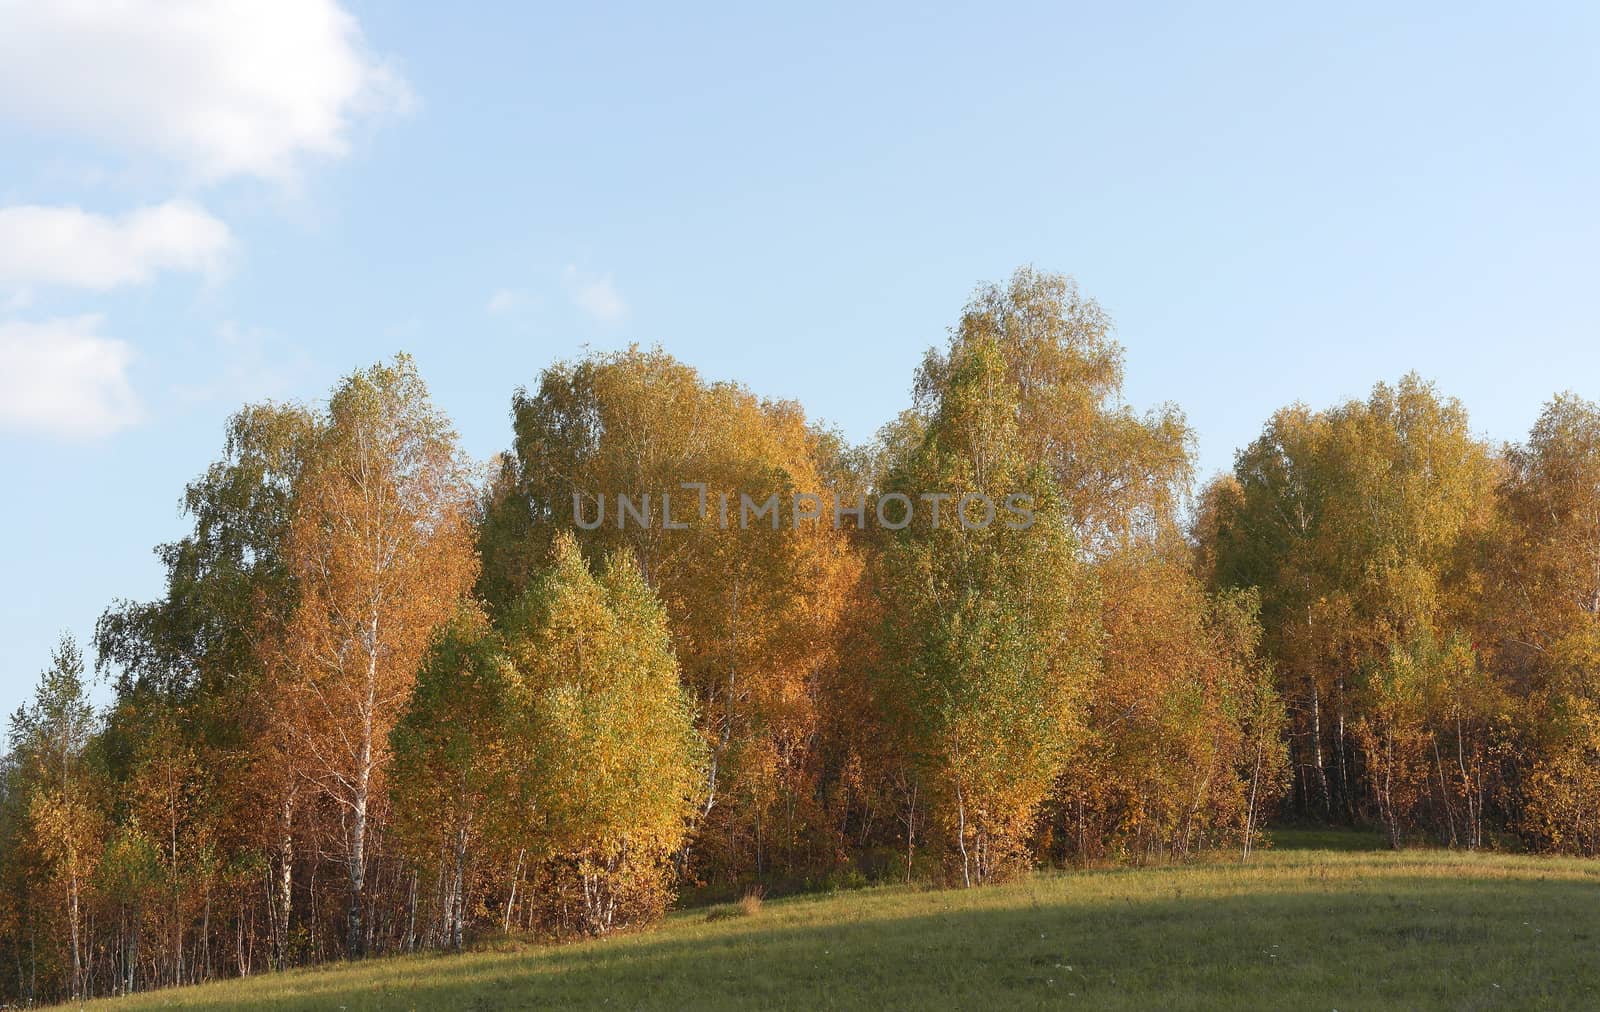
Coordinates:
595 295
220 88
71 247
507 301
61 376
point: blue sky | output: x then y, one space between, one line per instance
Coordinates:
199 208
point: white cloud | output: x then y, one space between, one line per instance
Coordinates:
222 87
596 296
68 246
506 301
62 378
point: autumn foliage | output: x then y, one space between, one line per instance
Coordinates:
390 700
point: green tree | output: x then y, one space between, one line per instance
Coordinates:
195 658
452 783
988 631
603 733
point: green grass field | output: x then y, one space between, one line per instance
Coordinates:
1319 922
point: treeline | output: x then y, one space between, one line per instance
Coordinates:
390 701
1431 606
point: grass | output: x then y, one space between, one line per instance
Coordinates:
1319 922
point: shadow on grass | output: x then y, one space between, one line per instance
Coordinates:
1321 838
1394 941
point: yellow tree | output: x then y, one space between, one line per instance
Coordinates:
1540 618
64 821
1119 474
382 552
1261 528
1182 745
1356 525
604 449
167 802
604 734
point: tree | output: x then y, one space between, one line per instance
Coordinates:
1181 749
452 779
1356 525
988 630
755 608
381 548
192 663
58 791
170 805
1005 649
604 734
1540 618
1119 475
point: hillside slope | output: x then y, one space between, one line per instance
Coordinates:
1296 928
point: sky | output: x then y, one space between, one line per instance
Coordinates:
208 203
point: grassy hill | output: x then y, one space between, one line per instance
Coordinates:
1319 922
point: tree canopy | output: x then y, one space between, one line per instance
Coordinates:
681 638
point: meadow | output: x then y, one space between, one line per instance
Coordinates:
1322 920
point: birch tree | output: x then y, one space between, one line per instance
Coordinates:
452 783
755 608
382 551
604 735
989 631
1540 618
1357 525
64 830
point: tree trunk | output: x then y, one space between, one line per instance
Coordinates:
511 897
911 831
355 937
285 899
961 837
1316 750
1250 810
74 914
459 903
411 916
1345 803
